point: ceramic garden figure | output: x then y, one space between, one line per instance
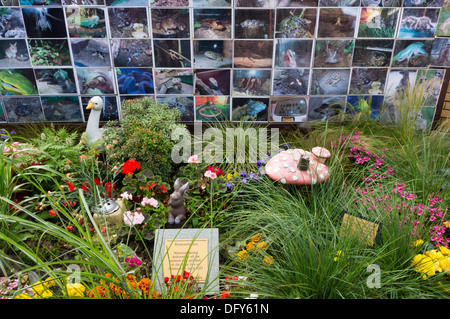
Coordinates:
177 210
93 129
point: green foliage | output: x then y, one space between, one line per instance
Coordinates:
145 135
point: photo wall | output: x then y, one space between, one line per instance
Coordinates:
218 60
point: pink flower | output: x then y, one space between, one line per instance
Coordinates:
131 218
126 196
193 159
210 174
149 201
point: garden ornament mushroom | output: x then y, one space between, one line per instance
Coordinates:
297 166
93 129
321 153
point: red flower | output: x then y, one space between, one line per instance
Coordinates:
130 166
109 187
166 279
52 212
97 181
69 228
71 186
85 187
163 188
224 295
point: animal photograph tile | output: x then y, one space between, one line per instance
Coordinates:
337 22
18 82
423 3
126 3
2 114
329 81
170 23
174 81
381 3
356 103
418 23
23 109
254 23
53 81
14 52
12 3
25 3
132 52
372 53
110 110
368 81
412 53
326 108
333 53
45 22
293 53
339 3
443 25
253 53
86 22
212 108
212 23
128 22
212 3
54 52
440 53
430 81
296 23
212 82
83 3
252 82
185 104
169 3
255 3
297 3
11 24
399 83
90 52
213 53
288 109
425 118
290 81
172 53
61 108
135 81
378 22
250 109
95 81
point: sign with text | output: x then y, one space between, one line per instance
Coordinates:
365 230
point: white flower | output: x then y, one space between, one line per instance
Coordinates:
149 201
126 196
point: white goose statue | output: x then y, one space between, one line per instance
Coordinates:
93 129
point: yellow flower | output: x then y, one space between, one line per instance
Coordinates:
23 296
49 282
75 290
256 238
447 224
229 176
40 290
261 245
425 265
268 260
444 251
418 242
44 294
250 245
243 255
338 254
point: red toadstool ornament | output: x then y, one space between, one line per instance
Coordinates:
297 166
321 153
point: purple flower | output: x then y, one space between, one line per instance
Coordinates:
259 163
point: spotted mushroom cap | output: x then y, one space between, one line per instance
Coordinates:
283 167
321 152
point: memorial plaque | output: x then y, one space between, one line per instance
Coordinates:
193 250
365 230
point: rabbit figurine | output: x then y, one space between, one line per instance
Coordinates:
177 211
11 51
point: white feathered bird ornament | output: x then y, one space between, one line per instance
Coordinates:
93 129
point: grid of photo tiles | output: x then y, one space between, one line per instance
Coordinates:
219 60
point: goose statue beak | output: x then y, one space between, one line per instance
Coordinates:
90 106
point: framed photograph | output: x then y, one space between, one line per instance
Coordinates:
2 113
172 81
255 3
14 52
423 3
23 109
443 25
252 82
333 53
53 81
373 53
254 23
132 52
170 23
440 53
381 3
296 23
290 81
135 81
412 53
289 109
10 3
25 3
96 3
250 109
399 83
293 53
326 108
418 23
212 82
211 3
374 102
337 22
378 22
12 24
213 53
297 3
368 81
425 118
172 53
169 3
128 22
45 22
95 81
212 108
126 3
86 22
185 104
212 23
17 82
90 52
110 110
329 81
61 108
339 3
253 53
53 52
430 81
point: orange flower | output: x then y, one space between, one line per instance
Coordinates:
98 291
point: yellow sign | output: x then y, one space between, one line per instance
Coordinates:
364 230
190 255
